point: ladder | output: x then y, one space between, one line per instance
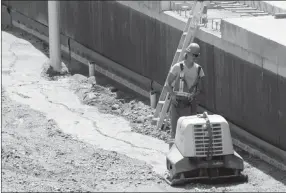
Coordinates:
193 24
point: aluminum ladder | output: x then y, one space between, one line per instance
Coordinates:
192 26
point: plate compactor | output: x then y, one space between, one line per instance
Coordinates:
203 151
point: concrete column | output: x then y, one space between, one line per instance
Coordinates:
54 34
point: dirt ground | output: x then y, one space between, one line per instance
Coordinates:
38 156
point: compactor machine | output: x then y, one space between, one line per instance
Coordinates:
203 151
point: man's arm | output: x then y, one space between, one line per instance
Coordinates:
170 79
173 73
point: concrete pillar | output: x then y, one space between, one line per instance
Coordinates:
91 69
54 34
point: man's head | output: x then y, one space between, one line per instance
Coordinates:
192 52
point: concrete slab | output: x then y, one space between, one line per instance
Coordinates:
268 6
268 27
249 11
240 8
262 35
233 6
278 4
260 14
226 2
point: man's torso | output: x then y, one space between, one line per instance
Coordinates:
190 76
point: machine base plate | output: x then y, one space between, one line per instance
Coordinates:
207 180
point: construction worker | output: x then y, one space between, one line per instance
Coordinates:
187 76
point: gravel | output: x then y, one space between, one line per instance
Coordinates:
38 156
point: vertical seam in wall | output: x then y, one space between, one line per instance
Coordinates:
8 8
69 49
278 114
214 81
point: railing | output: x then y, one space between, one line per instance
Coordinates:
214 24
183 8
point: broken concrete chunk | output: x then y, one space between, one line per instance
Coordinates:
79 78
113 89
91 80
140 119
115 107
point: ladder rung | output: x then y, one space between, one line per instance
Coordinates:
179 50
156 119
161 102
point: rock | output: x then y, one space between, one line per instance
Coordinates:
126 113
117 111
121 100
113 89
140 104
79 78
91 80
115 107
64 69
149 117
140 120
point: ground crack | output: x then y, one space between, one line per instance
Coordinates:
94 124
12 64
21 95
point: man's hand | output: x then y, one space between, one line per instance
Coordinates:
170 79
191 98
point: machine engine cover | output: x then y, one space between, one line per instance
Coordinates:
192 138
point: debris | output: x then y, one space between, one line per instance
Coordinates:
115 107
113 89
91 80
140 119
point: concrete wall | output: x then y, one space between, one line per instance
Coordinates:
235 87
